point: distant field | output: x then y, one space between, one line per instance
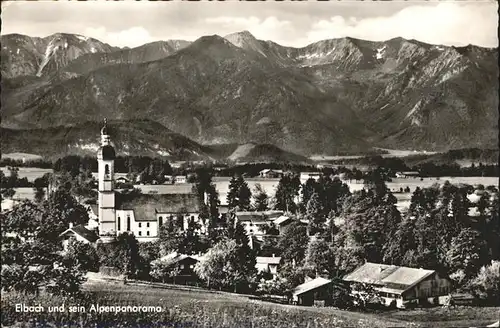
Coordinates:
391 153
403 153
413 183
22 156
29 172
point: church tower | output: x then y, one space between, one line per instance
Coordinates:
106 159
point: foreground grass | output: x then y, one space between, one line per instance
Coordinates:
196 309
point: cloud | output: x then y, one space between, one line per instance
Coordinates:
446 23
132 37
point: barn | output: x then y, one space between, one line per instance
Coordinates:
312 292
399 286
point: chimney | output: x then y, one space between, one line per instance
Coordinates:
273 254
71 225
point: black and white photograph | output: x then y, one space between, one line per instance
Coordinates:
250 164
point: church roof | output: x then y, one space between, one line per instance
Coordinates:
106 152
146 206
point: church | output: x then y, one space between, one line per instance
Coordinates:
139 214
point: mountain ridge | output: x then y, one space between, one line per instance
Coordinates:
329 96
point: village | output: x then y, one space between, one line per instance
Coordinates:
308 245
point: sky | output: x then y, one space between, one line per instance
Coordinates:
133 23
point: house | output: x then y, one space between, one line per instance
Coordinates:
255 222
282 221
310 292
401 286
304 176
182 267
78 233
93 212
180 179
408 174
271 174
122 180
268 264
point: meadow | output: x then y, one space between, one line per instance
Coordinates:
200 308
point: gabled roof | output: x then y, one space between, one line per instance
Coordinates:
268 260
145 206
281 219
311 285
404 278
310 173
82 232
390 278
258 216
271 170
370 273
95 209
175 257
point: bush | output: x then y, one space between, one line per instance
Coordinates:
486 284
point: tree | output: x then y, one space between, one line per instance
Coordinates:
261 199
278 286
239 194
309 188
286 192
371 218
32 259
169 238
320 258
232 194
487 283
244 195
46 220
83 255
293 243
124 255
8 192
221 267
190 241
8 184
204 186
164 269
39 194
467 252
315 213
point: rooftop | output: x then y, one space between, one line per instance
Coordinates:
311 285
146 206
391 277
268 260
83 232
258 216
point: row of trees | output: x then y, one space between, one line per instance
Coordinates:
437 233
31 250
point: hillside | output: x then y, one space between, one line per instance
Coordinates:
140 137
339 95
134 137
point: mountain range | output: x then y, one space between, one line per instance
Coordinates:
338 95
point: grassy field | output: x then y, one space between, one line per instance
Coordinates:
22 156
199 309
28 172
